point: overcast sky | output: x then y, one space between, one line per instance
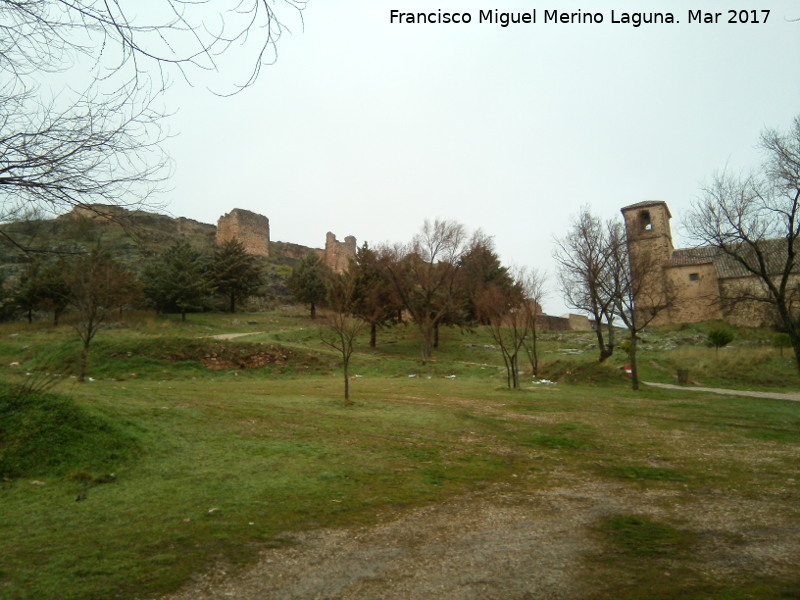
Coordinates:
365 127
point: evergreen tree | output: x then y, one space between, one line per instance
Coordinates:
480 270
41 286
374 297
307 282
178 280
235 273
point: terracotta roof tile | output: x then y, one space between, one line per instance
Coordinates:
727 266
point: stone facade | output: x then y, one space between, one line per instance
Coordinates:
251 229
702 282
337 255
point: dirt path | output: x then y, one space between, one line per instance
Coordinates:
686 388
495 546
232 336
500 544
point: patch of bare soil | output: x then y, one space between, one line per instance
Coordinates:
504 544
243 360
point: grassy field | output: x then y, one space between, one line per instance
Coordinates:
186 451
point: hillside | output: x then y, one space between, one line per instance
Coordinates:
130 234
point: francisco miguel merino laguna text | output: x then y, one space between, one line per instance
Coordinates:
635 19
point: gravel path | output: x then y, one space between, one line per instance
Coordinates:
502 544
687 388
477 547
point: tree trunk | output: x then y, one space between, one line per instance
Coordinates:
436 335
507 362
83 362
345 369
601 343
427 331
634 366
313 311
794 337
515 371
610 345
373 335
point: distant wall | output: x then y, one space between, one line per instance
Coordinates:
566 323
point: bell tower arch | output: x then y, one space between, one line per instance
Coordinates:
647 230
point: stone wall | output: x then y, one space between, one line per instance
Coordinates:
337 255
251 229
750 312
696 292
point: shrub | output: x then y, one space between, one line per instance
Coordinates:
719 338
781 341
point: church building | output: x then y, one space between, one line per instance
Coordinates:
704 283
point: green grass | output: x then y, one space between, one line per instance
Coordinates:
49 434
636 536
638 472
212 466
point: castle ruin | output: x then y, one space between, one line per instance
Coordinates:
337 255
250 228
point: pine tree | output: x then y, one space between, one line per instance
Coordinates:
178 280
307 282
235 273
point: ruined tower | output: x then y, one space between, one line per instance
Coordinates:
250 228
337 254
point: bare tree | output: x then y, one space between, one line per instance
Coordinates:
584 271
503 308
98 150
97 286
533 284
425 276
342 326
637 299
754 220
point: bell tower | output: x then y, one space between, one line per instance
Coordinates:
647 230
649 248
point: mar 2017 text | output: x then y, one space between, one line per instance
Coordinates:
554 16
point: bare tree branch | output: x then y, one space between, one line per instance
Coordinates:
753 221
585 274
81 85
191 35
